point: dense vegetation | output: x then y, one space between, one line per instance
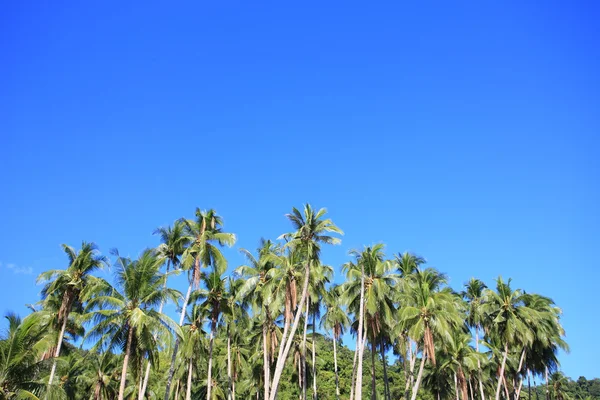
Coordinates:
273 328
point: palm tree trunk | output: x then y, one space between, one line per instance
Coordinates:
547 385
408 368
335 368
160 310
504 356
61 335
304 375
471 390
419 376
386 384
373 383
456 387
358 390
287 343
314 364
354 367
188 388
140 383
177 390
125 363
266 363
210 359
177 340
230 381
528 384
479 364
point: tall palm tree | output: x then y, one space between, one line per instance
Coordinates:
473 293
216 301
173 244
321 274
257 276
205 235
336 320
311 231
428 311
193 343
379 280
127 315
69 284
408 264
508 318
21 348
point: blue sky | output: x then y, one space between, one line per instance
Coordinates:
467 132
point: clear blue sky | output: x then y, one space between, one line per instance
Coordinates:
467 132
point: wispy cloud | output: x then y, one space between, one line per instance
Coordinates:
16 269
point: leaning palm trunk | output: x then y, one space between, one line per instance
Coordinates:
177 340
210 359
358 390
335 367
314 365
415 389
286 343
160 310
266 362
61 335
188 388
125 363
504 356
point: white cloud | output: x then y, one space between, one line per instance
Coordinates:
15 269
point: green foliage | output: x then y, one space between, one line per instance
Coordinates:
236 327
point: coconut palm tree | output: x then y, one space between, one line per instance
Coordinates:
204 235
173 244
311 231
509 321
215 302
193 342
126 315
21 348
336 320
473 293
256 277
428 311
379 280
69 284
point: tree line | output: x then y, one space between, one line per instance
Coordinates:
255 332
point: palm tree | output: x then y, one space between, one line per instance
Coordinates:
321 274
204 234
193 338
473 293
69 285
336 320
461 359
216 301
376 296
311 231
428 311
408 264
508 318
126 314
173 244
21 348
257 277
